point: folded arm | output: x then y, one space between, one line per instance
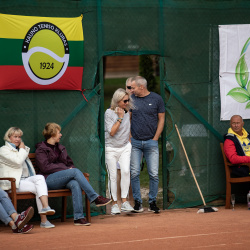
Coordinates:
45 166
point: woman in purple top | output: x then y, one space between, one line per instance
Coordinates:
59 170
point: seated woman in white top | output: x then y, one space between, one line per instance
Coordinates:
14 162
118 147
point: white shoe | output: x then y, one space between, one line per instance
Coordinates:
126 207
47 224
47 211
115 209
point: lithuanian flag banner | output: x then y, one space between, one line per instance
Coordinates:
39 53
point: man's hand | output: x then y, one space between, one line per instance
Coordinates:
160 126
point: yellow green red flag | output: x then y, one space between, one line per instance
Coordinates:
41 53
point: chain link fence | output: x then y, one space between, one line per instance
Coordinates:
185 36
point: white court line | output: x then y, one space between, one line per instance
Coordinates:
164 238
218 245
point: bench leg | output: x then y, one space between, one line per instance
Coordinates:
228 195
13 200
64 208
87 209
12 195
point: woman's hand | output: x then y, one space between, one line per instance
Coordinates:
120 112
21 145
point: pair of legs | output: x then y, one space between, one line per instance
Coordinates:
9 216
150 151
112 156
74 180
7 210
36 184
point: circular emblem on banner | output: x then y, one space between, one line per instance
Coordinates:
45 53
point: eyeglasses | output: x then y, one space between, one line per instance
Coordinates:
125 101
128 87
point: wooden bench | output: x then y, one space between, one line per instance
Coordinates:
14 196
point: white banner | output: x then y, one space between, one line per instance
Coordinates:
234 70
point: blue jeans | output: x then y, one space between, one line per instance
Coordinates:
6 208
150 151
74 180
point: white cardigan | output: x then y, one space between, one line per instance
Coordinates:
12 162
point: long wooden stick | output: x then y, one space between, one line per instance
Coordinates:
190 165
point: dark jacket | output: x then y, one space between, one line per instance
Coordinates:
47 161
236 155
236 142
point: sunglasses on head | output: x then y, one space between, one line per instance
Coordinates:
128 87
125 101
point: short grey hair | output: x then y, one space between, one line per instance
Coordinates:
139 81
11 131
128 80
117 97
236 116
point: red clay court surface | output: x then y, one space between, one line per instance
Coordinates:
171 229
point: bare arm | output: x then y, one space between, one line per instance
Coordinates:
116 126
160 126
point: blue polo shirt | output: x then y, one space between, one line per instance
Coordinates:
145 116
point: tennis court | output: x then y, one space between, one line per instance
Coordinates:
171 229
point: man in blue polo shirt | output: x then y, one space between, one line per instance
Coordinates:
147 123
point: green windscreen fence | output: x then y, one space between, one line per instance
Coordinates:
184 34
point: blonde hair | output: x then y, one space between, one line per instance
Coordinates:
11 131
118 96
50 130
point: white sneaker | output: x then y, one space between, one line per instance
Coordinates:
115 209
47 224
126 207
47 211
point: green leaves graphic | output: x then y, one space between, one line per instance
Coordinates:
242 94
247 106
239 95
241 72
245 46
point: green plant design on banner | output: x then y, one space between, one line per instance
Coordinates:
242 94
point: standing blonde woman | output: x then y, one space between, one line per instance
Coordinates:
118 147
14 162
